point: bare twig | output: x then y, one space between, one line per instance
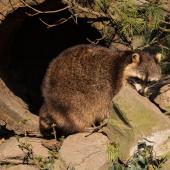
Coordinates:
165 47
156 40
54 131
165 22
165 9
105 14
164 29
83 9
43 12
11 5
59 22
2 14
97 40
3 17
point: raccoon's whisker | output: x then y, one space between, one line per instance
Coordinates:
150 92
154 85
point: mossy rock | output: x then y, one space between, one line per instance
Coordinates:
136 118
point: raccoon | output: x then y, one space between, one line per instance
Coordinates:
145 71
80 83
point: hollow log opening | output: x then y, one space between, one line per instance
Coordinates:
27 47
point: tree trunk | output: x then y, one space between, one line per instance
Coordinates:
14 113
8 6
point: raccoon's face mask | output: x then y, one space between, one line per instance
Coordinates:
141 86
144 71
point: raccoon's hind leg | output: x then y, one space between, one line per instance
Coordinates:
45 122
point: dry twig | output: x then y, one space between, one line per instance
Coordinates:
59 22
43 12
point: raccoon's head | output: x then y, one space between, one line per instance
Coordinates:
144 70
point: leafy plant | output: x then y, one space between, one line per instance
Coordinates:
27 149
143 159
113 151
39 161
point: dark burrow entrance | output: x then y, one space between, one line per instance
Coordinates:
30 46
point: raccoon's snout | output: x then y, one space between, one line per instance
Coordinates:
142 90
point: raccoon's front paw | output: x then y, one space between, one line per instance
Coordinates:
96 128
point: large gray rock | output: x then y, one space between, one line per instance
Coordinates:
163 98
13 151
136 119
85 153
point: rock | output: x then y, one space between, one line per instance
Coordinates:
85 153
60 165
13 151
163 98
21 167
136 118
14 113
166 166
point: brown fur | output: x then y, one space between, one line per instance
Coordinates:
79 86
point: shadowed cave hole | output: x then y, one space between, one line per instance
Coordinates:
31 48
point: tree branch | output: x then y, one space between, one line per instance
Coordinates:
43 12
59 22
164 29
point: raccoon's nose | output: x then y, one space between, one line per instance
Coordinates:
141 92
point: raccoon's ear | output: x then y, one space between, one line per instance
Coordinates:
136 58
158 57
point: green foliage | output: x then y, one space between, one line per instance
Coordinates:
143 159
113 152
27 149
128 19
165 68
45 163
121 21
153 16
133 20
39 161
61 139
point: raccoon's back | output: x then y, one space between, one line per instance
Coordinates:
83 72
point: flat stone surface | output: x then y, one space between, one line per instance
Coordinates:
85 153
10 152
163 99
21 167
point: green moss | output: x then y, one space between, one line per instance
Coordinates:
135 117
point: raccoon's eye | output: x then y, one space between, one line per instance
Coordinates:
135 80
